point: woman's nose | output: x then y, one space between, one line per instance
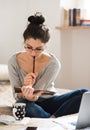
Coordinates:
33 53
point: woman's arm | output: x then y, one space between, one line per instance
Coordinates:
14 75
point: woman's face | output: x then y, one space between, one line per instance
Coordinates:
34 46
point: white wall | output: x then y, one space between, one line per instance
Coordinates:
75 58
13 15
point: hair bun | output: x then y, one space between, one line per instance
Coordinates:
36 19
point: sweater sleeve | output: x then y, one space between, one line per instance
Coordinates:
13 74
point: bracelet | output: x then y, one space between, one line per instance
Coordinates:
23 96
36 97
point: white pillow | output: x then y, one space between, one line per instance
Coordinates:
6 96
4 75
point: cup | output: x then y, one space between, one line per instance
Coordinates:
19 111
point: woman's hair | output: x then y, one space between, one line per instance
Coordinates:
36 29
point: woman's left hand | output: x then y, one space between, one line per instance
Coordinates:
28 93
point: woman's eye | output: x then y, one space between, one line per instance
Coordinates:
39 49
29 47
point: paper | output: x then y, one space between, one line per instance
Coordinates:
10 120
6 119
24 121
67 122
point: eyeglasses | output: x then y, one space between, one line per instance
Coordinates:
37 50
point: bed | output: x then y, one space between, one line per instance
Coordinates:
6 102
7 99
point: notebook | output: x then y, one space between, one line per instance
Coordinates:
83 120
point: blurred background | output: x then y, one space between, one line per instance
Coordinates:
70 46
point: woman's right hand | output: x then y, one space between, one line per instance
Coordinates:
29 79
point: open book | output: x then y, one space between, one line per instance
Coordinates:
47 92
10 120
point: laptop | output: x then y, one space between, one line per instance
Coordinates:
83 120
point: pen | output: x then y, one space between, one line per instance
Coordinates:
33 64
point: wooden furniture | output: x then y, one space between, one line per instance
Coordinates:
73 27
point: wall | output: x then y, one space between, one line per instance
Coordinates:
13 15
81 59
75 59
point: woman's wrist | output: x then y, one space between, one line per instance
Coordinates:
20 95
36 98
32 99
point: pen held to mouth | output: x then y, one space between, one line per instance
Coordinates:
33 64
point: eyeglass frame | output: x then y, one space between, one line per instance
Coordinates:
37 50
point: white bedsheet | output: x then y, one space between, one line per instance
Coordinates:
6 96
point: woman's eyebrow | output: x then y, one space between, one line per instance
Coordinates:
29 45
40 47
32 47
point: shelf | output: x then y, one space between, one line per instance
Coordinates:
73 27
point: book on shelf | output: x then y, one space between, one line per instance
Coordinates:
75 14
66 17
78 17
85 22
72 17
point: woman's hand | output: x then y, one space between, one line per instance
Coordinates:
28 93
29 79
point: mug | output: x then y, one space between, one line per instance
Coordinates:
19 111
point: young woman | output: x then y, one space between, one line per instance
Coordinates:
34 69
